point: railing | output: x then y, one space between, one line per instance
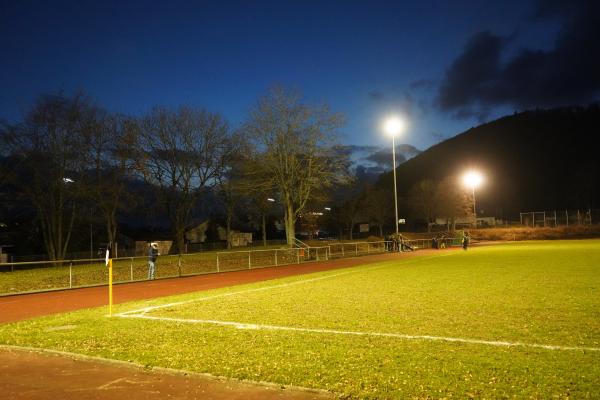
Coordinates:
299 243
417 244
26 277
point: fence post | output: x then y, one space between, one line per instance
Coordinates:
70 275
179 264
356 244
297 256
275 257
131 270
218 263
342 249
368 247
249 261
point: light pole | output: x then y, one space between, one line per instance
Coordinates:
473 179
392 126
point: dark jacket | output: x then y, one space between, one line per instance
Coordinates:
152 254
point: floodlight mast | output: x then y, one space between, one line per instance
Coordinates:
473 179
393 126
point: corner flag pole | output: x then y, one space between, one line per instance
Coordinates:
109 263
110 285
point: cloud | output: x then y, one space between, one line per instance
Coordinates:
376 160
368 174
567 74
352 149
382 158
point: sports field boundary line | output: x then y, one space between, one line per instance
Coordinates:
352 270
158 369
242 325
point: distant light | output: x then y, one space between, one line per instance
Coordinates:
472 179
68 180
393 126
272 200
327 208
316 213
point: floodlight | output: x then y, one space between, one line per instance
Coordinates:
393 126
472 179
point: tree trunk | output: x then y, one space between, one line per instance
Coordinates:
380 230
111 229
179 240
290 228
228 230
264 230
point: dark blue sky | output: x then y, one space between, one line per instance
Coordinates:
365 59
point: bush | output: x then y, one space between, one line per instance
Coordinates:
545 233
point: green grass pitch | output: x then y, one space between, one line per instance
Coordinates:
515 320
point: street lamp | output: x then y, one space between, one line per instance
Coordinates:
473 179
392 126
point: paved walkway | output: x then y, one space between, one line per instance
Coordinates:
26 375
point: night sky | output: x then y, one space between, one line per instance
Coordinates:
446 65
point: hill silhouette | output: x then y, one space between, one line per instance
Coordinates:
533 161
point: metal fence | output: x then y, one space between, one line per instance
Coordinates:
25 277
417 244
559 218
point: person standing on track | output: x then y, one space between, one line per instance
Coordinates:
152 256
465 241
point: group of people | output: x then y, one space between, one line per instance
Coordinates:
394 242
439 242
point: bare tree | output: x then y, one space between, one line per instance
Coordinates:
259 208
453 201
111 146
424 200
50 146
296 146
182 151
378 206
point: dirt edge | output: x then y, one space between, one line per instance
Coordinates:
162 370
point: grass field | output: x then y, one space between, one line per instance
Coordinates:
519 320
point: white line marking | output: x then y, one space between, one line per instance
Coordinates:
239 325
299 282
